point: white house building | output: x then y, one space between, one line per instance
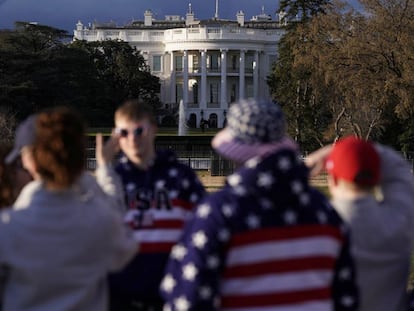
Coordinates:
208 64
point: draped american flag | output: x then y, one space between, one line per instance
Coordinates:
160 200
266 241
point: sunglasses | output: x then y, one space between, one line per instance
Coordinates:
137 132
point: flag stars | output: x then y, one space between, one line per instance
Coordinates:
189 272
168 283
265 180
185 183
297 187
173 172
234 180
182 304
203 210
253 221
123 160
178 252
240 190
290 217
304 199
345 274
252 163
322 218
213 262
224 235
284 164
227 210
194 197
173 194
160 184
347 301
266 204
205 292
199 239
130 186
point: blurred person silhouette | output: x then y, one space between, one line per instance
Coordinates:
372 188
13 176
160 193
64 233
267 240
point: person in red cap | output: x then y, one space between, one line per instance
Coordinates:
372 188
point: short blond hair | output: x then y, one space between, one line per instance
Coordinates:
135 110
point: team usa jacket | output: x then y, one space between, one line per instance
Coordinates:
159 200
266 241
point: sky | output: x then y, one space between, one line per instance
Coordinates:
64 14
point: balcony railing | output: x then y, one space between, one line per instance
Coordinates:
182 34
193 105
213 105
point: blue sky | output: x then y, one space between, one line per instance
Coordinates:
65 13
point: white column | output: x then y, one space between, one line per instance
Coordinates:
185 78
172 77
263 73
203 101
241 74
223 86
256 74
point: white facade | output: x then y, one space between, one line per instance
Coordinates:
207 64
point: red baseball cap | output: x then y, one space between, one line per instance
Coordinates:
354 160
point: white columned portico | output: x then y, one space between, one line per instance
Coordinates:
223 86
172 78
242 74
203 101
256 74
185 78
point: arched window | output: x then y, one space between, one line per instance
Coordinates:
192 121
212 120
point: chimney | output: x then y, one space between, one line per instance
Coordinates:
189 17
240 18
148 18
79 26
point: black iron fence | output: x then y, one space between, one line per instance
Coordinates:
194 151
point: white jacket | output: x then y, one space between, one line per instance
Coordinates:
59 246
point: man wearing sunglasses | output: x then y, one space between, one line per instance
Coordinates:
160 193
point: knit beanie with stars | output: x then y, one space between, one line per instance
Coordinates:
254 128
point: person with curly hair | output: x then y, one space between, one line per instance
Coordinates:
64 233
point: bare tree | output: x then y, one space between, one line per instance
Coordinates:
366 60
8 124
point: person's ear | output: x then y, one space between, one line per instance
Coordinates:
332 182
28 161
